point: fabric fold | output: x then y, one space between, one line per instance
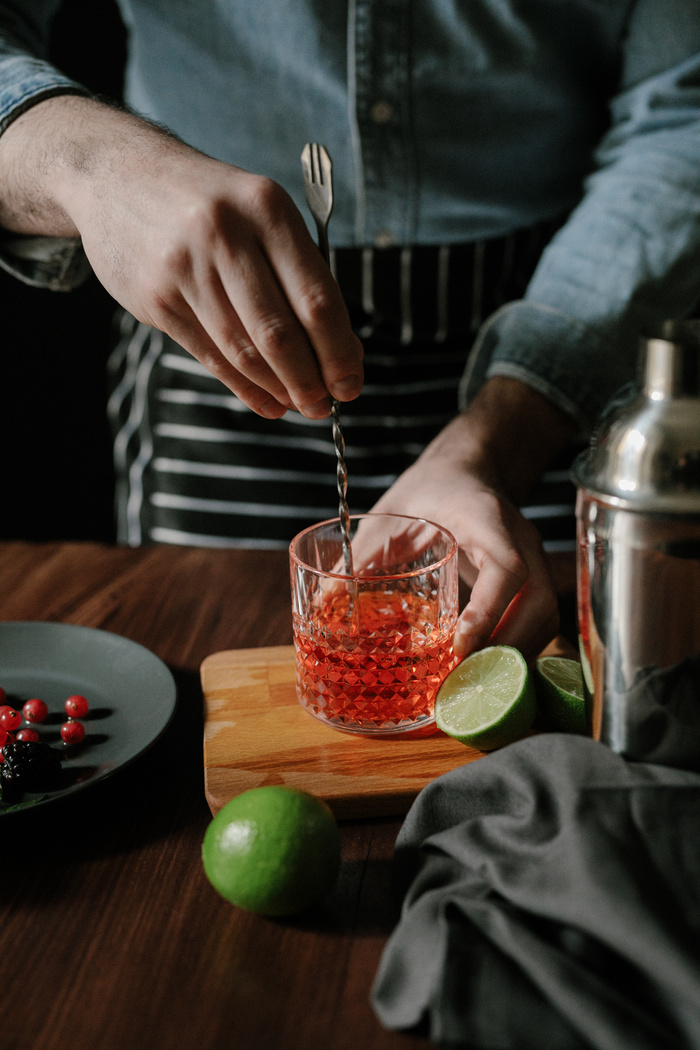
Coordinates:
552 901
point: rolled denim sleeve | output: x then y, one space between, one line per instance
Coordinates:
629 254
26 78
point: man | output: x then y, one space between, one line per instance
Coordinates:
456 131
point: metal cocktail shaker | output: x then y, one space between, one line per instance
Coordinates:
638 558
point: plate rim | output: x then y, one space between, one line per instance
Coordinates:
171 699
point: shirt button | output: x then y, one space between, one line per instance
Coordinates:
384 239
381 112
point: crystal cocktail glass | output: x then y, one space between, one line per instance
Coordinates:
372 648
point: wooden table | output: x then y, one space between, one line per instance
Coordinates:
111 937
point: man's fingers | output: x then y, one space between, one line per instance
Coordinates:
528 628
185 328
493 591
287 301
337 350
241 305
532 618
507 607
212 313
317 302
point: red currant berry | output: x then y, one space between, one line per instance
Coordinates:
35 711
3 695
27 734
9 718
76 706
3 737
72 732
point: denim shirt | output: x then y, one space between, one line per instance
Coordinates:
447 121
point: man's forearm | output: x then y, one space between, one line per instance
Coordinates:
508 434
53 148
33 163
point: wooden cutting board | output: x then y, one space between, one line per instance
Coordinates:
256 732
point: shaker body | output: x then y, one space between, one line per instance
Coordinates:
639 624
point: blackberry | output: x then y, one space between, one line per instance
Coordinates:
28 765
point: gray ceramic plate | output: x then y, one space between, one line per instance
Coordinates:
131 693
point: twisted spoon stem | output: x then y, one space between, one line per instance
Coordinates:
342 480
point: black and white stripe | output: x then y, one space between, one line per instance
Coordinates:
195 466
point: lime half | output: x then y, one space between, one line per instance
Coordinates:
488 700
559 684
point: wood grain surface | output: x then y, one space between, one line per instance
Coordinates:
256 732
110 935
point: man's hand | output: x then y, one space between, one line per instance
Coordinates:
470 480
218 258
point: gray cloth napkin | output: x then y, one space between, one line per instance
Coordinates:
553 903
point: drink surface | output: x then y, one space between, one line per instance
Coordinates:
376 664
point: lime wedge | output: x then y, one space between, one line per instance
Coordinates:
488 700
559 685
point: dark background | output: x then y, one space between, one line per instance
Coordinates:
56 479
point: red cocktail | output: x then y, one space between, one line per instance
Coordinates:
373 648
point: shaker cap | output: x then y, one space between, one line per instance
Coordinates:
645 452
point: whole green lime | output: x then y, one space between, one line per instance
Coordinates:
272 850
